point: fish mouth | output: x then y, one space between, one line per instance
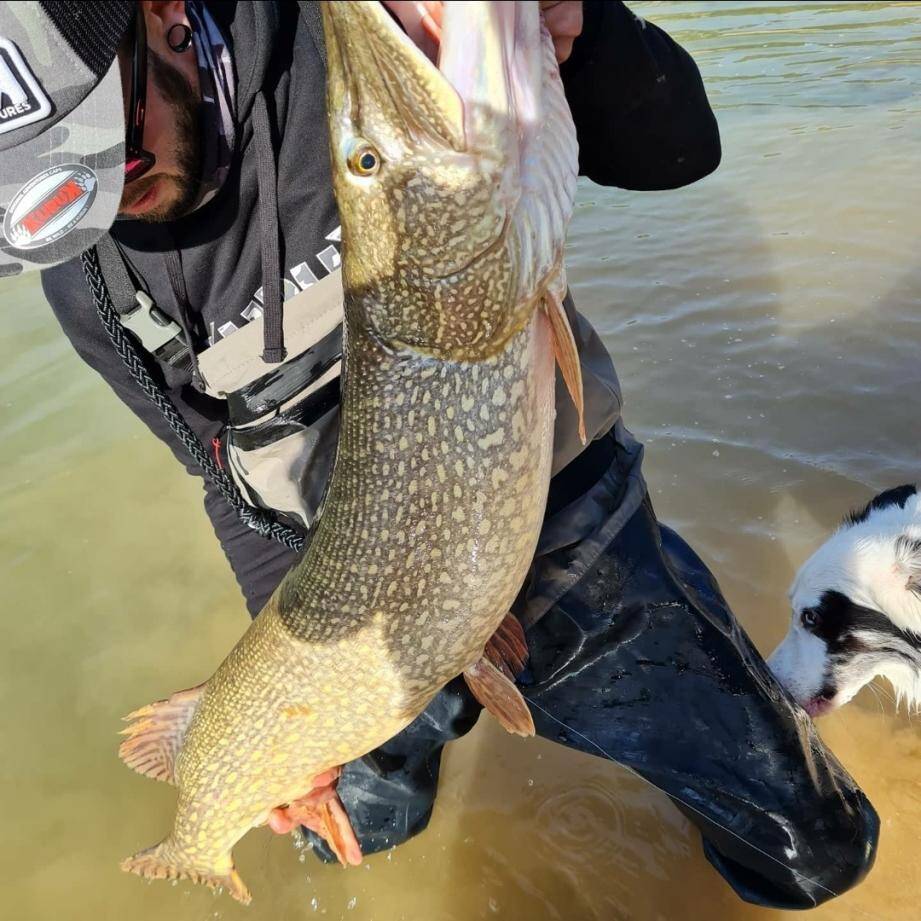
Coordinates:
473 97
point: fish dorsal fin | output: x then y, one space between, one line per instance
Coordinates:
156 733
567 354
499 696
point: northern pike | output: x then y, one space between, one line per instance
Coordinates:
455 184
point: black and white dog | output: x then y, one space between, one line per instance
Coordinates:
857 608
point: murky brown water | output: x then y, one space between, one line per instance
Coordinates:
767 329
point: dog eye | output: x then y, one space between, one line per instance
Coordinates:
810 618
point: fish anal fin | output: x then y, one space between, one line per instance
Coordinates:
156 733
322 811
499 696
507 648
567 354
162 862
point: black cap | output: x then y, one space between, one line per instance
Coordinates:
94 29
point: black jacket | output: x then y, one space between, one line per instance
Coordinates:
643 122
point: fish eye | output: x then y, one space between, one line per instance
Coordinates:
363 159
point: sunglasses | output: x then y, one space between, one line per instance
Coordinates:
137 160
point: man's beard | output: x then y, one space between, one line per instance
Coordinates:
186 183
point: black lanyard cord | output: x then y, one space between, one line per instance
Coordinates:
259 520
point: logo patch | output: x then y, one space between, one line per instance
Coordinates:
22 100
49 205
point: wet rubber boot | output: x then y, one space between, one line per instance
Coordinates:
644 658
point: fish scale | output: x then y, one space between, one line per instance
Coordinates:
452 273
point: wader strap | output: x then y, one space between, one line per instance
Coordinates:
257 519
313 335
271 391
310 10
158 334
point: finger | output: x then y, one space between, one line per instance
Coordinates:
564 23
563 48
326 778
564 20
436 8
430 14
280 822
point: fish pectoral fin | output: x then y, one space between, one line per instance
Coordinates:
507 648
567 354
156 733
499 696
165 861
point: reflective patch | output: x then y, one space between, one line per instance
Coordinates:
49 205
22 100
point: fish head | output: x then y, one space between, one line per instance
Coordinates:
454 178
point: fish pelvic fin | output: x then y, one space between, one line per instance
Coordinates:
507 648
500 697
156 734
567 354
166 861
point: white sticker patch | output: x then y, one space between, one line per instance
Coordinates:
49 205
22 100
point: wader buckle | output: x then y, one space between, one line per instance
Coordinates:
149 324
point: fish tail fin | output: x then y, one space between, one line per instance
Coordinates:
167 861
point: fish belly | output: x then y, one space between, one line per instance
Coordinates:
435 506
420 550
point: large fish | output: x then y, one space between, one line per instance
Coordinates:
455 186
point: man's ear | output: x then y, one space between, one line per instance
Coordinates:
908 560
160 15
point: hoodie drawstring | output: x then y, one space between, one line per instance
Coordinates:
266 180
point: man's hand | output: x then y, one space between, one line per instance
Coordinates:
564 23
422 21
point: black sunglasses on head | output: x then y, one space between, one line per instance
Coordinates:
138 161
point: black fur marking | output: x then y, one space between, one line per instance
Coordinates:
852 632
897 496
839 620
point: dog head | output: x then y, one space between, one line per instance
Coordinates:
857 608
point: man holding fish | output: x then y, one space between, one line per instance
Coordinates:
203 128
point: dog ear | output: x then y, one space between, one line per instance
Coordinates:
908 555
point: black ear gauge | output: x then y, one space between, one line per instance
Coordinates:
179 37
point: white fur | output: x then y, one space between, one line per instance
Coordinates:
860 561
799 663
866 563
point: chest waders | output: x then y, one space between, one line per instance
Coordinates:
282 418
